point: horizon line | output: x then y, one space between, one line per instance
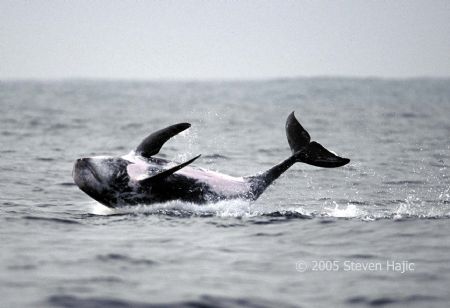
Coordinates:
220 79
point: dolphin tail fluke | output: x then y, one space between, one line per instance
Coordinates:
308 152
315 154
303 150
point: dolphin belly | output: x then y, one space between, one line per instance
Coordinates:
189 183
222 185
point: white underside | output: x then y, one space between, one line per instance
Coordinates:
221 183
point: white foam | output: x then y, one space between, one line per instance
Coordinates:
228 208
348 212
238 208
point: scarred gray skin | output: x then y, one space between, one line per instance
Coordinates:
115 181
140 178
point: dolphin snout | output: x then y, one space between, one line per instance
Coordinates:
80 165
83 168
81 160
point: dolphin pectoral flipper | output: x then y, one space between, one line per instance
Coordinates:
164 174
154 142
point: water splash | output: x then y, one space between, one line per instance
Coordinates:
350 211
410 208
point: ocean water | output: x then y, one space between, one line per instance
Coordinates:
373 233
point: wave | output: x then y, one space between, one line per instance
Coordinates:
251 211
404 182
52 219
70 301
114 257
216 156
383 301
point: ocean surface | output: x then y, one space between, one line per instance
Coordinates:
373 233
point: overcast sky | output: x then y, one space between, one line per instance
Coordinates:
223 39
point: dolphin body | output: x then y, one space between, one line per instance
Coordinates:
141 178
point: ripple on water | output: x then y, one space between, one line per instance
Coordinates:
385 300
51 219
70 301
47 159
404 182
67 184
215 156
114 257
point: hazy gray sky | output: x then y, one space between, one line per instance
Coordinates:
223 39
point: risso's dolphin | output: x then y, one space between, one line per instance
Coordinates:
141 178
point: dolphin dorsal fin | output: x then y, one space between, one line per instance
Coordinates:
164 174
154 142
